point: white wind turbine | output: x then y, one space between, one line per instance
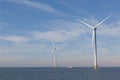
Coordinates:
94 38
54 55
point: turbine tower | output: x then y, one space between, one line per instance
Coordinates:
54 55
94 41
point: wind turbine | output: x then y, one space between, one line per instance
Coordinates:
54 55
94 41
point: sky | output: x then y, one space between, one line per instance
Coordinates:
28 28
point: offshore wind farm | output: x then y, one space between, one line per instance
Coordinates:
51 40
28 38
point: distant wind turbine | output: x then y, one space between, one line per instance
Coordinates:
94 41
54 55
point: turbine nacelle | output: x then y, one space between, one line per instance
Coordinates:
53 47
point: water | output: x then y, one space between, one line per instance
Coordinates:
59 74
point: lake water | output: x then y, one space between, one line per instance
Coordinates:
59 74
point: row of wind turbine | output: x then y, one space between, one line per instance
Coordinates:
94 42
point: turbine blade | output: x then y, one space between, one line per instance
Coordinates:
93 37
53 44
102 21
53 47
52 51
85 24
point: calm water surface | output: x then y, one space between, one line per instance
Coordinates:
59 74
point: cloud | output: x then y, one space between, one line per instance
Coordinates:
23 49
53 35
14 39
6 12
3 24
62 31
37 5
110 30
